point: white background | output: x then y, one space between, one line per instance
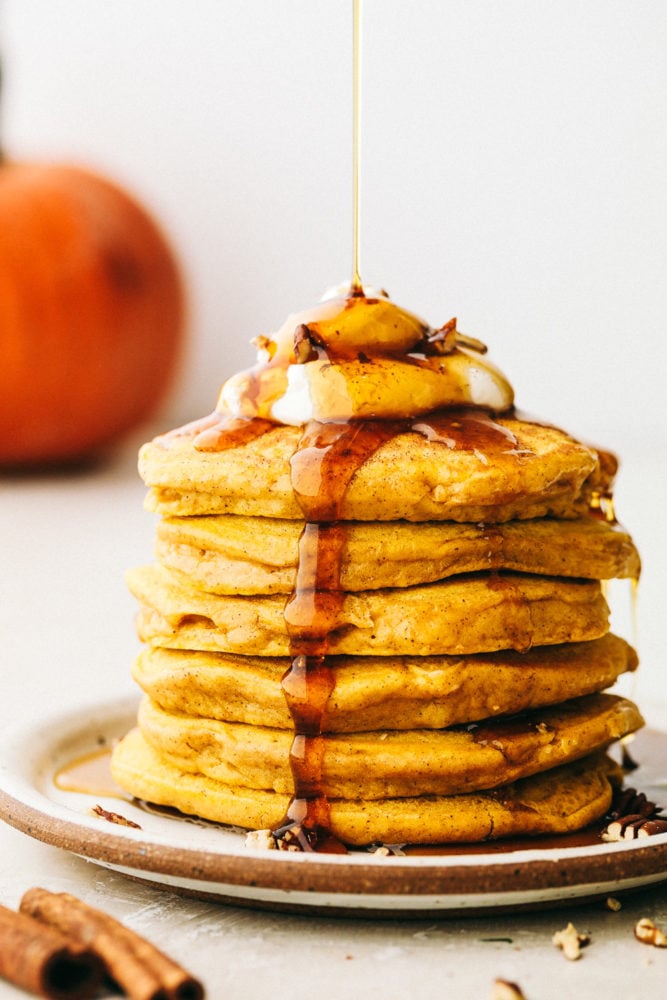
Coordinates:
513 174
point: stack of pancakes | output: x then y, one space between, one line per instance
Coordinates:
470 653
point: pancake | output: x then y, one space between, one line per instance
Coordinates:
252 555
372 692
566 798
377 609
392 764
537 470
467 614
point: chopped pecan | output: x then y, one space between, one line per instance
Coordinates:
443 340
632 827
648 933
632 815
304 345
113 817
261 838
295 838
447 338
504 990
571 941
631 802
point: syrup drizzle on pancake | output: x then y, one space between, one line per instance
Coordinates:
322 468
219 432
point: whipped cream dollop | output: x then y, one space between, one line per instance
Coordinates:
357 355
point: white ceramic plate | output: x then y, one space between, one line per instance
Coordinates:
211 861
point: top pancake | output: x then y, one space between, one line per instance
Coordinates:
543 472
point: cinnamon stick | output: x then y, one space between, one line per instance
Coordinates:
139 969
40 959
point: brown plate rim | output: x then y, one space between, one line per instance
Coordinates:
537 872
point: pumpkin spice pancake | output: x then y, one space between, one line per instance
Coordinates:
392 764
377 610
523 470
383 692
475 613
558 801
249 555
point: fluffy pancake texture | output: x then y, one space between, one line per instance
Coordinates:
391 764
381 693
557 801
409 478
249 555
468 652
476 613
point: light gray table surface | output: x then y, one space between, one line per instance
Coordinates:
66 630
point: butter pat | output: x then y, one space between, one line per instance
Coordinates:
362 357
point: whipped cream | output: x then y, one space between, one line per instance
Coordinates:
362 357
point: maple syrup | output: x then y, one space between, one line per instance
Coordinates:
322 469
218 432
90 774
356 287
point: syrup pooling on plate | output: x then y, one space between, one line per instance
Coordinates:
89 774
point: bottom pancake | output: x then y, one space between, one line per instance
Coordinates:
558 801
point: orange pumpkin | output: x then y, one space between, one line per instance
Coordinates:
91 314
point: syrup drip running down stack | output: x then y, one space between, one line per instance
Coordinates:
331 454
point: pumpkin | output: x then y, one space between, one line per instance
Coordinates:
91 314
